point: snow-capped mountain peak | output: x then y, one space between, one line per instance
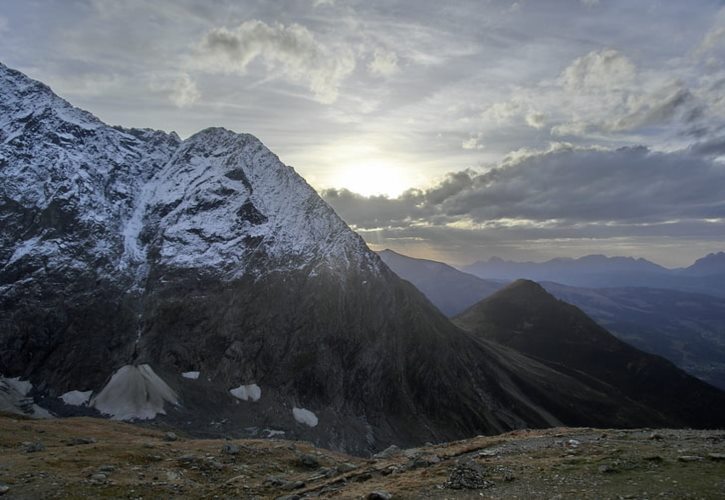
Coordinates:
133 199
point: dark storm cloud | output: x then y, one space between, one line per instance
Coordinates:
628 190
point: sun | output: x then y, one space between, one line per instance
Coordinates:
372 177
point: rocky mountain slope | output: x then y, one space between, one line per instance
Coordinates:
204 284
527 318
685 328
91 458
449 289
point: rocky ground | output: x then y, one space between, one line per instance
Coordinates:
86 457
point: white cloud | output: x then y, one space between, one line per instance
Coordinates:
590 3
290 52
182 90
515 111
600 70
712 39
536 120
473 142
384 63
503 112
604 91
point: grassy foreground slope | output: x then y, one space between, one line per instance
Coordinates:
85 457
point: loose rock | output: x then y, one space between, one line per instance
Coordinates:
231 449
309 461
170 436
80 441
379 495
346 467
606 469
388 452
467 475
34 447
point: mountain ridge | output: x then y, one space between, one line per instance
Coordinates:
134 259
527 318
451 290
684 327
706 275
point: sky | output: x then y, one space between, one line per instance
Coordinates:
448 130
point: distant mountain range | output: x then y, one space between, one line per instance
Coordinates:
451 290
686 328
706 275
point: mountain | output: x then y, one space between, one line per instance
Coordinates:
711 264
685 328
596 271
497 268
202 283
530 320
449 289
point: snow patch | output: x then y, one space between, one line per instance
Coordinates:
270 433
14 398
190 375
21 386
76 398
134 392
251 392
304 416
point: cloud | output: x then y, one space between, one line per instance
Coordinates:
503 112
712 39
565 190
182 91
3 24
655 108
290 52
384 63
590 3
473 142
536 120
603 92
600 70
